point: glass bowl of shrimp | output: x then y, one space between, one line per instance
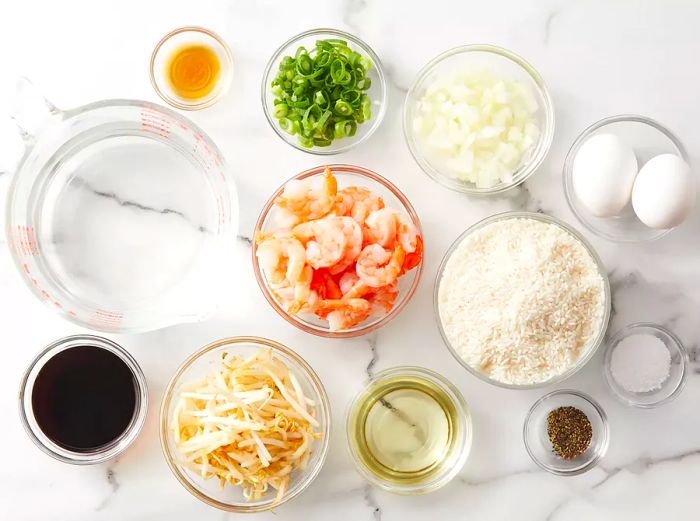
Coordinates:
338 251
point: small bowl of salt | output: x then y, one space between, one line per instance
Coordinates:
645 365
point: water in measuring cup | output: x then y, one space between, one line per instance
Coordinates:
124 219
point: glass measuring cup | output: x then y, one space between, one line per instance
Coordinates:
121 213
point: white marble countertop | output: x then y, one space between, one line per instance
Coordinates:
598 58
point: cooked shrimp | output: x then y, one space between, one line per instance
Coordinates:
363 202
310 198
413 259
383 299
296 296
345 313
380 228
351 286
353 246
347 281
343 203
286 219
302 290
281 257
406 232
324 239
378 267
387 225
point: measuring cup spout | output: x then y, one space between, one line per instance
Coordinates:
30 110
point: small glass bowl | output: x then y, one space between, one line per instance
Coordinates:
647 138
98 454
198 365
346 175
592 348
377 91
537 441
502 61
673 385
409 483
170 43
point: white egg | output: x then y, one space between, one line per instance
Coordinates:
603 174
664 192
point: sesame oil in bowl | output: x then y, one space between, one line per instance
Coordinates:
409 430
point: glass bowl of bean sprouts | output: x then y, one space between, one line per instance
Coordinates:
307 389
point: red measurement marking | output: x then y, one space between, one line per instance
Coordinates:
102 317
25 241
155 124
222 210
43 292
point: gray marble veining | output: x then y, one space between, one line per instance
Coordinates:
598 58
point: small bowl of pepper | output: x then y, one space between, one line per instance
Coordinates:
566 433
324 91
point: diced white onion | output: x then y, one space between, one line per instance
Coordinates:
477 126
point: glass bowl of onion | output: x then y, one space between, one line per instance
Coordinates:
324 91
245 424
336 302
478 119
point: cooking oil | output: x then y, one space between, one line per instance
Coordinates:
409 430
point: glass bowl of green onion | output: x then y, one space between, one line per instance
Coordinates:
324 91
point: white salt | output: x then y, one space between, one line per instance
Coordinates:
640 363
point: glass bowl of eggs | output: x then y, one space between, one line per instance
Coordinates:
627 179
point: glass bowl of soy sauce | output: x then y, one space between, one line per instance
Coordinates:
83 400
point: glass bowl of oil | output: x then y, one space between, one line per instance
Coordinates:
191 68
409 430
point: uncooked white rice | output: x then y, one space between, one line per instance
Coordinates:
521 300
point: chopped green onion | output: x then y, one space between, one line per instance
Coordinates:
343 108
281 110
321 94
344 128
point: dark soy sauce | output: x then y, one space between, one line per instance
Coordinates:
84 398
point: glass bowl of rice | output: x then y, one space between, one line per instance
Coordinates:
537 304
217 490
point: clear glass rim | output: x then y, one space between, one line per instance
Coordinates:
374 122
526 170
626 331
196 105
576 145
464 413
324 408
595 344
100 454
600 453
324 332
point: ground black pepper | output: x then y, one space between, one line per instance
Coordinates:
569 432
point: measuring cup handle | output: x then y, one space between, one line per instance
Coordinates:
30 110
